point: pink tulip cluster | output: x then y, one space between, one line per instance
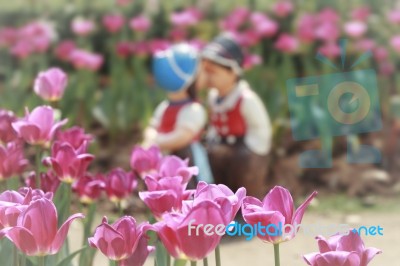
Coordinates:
51 84
32 38
29 220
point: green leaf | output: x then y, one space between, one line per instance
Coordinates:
161 255
67 260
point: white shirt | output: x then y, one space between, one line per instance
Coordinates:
258 135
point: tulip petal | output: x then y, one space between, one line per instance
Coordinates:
337 258
368 255
279 199
23 240
30 133
298 215
62 233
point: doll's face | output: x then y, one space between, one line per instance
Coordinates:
217 76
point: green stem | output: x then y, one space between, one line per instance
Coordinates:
41 260
168 259
205 261
179 262
193 263
120 209
15 256
217 256
276 255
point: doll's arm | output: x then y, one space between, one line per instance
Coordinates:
150 133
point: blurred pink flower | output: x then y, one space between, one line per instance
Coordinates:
395 43
327 31
365 45
197 44
264 26
283 8
306 28
328 15
394 16
235 19
277 207
113 23
140 48
35 233
173 230
82 59
120 184
361 13
38 127
158 45
64 49
76 137
341 250
38 34
140 23
50 84
381 54
89 187
124 49
67 163
188 17
287 43
22 49
386 68
330 50
251 60
178 34
8 36
120 240
145 161
12 160
7 133
355 29
82 27
174 166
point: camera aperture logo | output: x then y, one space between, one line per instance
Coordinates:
284 231
337 104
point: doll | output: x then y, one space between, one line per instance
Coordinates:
239 136
179 121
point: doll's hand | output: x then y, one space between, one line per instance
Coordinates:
150 135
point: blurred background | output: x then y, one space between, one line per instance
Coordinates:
106 46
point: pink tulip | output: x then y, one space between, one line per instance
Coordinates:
118 241
36 231
386 68
264 26
174 166
22 50
145 161
251 60
139 256
158 45
219 194
395 43
7 133
164 195
361 13
283 8
12 160
67 163
38 127
178 34
380 54
287 43
38 35
120 184
341 250
82 27
89 188
113 23
82 59
277 207
64 50
76 137
306 28
355 29
49 182
140 48
185 18
328 15
8 36
173 230
394 16
140 23
50 85
330 50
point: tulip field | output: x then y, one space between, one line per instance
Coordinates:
79 188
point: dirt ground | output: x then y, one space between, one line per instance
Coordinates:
236 251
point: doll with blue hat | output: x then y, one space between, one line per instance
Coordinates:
179 121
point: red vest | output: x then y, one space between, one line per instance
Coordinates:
170 116
230 123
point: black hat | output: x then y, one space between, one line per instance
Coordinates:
224 50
